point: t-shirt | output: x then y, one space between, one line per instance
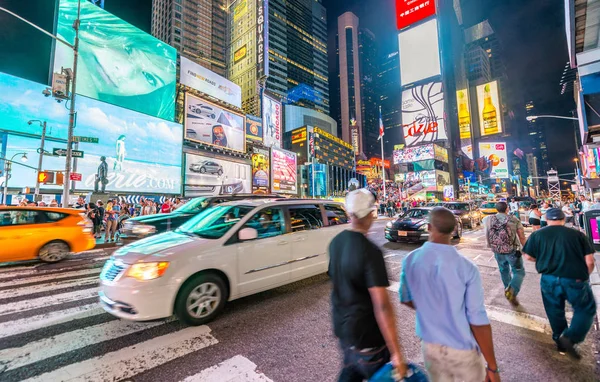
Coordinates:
166 208
355 265
559 251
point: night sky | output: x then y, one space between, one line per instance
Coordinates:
531 34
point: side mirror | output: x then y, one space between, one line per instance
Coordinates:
246 234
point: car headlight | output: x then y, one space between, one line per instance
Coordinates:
389 224
147 271
142 229
423 227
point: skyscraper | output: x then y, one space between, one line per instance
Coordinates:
196 29
388 84
537 138
297 50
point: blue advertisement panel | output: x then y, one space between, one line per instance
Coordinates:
142 153
318 178
118 63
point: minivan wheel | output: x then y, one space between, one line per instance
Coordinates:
54 251
201 299
458 231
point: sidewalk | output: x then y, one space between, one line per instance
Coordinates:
595 281
101 244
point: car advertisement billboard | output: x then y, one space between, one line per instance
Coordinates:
283 171
423 114
254 128
261 171
213 125
489 109
419 53
495 154
411 11
271 113
199 78
118 63
142 153
206 176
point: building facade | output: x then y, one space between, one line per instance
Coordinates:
388 83
297 116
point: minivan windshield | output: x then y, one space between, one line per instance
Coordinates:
214 222
193 206
457 206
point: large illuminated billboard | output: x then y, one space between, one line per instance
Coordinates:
489 109
495 154
283 171
206 176
118 63
420 153
419 53
411 11
261 171
143 153
423 114
254 128
272 122
213 125
199 78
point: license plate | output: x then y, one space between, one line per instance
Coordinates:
402 233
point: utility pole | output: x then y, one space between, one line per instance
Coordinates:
40 160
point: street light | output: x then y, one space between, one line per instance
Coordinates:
534 117
37 178
7 168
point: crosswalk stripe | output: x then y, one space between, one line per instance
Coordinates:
17 292
17 357
46 301
236 369
38 269
20 326
132 360
51 277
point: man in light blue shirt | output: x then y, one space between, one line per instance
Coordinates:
445 290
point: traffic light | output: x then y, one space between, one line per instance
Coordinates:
46 177
60 179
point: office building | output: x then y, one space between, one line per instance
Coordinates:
297 116
196 29
297 52
536 130
388 84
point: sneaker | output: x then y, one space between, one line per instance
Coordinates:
561 349
569 346
509 293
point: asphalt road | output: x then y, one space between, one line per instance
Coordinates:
52 329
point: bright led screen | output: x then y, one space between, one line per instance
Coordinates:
419 53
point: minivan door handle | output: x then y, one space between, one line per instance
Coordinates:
283 242
299 239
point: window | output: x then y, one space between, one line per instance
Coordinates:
417 214
52 217
214 222
336 214
268 222
305 217
20 217
178 16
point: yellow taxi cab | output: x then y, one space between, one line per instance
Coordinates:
488 208
48 234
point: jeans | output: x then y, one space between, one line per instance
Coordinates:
557 290
360 365
509 261
445 364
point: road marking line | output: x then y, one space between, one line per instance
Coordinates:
28 324
17 357
132 360
17 292
41 302
33 279
236 369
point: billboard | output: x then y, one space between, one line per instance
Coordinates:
423 114
213 125
143 153
262 38
261 171
199 78
206 176
254 128
411 11
464 114
240 54
272 120
440 153
240 10
495 154
419 53
420 153
317 177
118 63
283 171
489 109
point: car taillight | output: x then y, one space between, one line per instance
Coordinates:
86 223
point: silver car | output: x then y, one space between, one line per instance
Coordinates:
207 167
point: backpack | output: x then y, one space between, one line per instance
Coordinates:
500 236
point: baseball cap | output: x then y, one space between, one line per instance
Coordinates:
360 203
555 214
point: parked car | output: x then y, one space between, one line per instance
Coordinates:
467 212
207 166
141 227
228 251
203 111
44 233
412 226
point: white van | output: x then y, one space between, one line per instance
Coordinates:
226 252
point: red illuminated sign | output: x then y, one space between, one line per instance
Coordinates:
410 11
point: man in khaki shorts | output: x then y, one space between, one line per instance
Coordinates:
445 289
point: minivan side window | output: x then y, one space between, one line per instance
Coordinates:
305 217
336 214
268 222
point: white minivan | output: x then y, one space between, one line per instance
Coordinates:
226 252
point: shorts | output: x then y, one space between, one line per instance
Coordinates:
447 364
534 221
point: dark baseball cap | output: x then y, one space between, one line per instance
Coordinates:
555 214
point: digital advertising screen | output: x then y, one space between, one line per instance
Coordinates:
423 114
118 63
464 114
254 128
414 154
411 11
489 109
206 176
272 125
440 153
283 171
208 123
199 78
261 171
495 154
317 174
142 153
419 52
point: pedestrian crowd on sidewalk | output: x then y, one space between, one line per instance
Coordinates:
445 290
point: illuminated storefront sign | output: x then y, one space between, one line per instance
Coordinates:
239 54
262 40
411 11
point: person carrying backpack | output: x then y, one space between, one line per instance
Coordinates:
505 236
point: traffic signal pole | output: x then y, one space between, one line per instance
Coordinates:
40 160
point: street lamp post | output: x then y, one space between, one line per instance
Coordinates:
534 117
7 168
41 158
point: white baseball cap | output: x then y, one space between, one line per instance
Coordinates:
360 203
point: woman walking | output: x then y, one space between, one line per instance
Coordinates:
534 217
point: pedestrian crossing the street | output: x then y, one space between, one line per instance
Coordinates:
53 329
